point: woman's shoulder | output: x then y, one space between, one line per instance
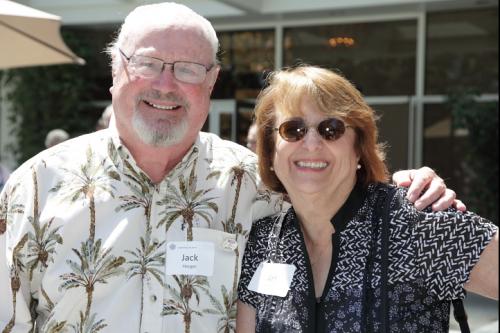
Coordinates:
265 225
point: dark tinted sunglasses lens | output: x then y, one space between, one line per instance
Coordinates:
331 129
292 130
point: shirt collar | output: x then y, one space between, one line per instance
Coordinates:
118 152
350 207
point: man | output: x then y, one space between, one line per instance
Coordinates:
140 227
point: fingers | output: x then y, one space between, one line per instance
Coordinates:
402 178
459 205
445 201
425 178
436 192
426 188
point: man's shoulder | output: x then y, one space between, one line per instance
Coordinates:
217 148
68 151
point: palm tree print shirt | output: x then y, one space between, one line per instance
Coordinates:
84 238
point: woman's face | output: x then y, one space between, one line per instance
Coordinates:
314 165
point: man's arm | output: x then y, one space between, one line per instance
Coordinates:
14 311
426 188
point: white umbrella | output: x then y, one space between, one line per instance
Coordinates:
30 37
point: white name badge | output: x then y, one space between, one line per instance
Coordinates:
190 258
272 279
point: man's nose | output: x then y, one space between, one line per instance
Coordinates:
165 80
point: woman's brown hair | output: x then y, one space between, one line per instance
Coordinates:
334 96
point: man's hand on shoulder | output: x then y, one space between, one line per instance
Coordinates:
426 188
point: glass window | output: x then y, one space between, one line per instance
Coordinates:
244 57
225 123
393 130
244 118
378 57
461 144
462 51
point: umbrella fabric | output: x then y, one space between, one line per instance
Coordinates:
30 37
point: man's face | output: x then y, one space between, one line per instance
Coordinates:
162 111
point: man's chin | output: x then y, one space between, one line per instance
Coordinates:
160 139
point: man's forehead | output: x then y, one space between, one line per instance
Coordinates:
152 34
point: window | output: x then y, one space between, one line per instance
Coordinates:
245 56
378 57
462 51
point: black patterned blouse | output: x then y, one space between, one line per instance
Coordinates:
431 255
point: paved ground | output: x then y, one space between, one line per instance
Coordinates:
482 313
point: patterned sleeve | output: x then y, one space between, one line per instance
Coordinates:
15 292
255 253
447 245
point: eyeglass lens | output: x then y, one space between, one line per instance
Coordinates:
296 129
183 71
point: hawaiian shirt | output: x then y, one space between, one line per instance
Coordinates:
430 257
88 243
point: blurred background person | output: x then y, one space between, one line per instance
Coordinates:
4 175
252 137
55 137
104 120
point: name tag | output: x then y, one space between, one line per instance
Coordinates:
190 258
272 279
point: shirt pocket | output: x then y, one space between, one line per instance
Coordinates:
217 302
228 253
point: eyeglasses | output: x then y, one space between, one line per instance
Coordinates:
295 129
184 71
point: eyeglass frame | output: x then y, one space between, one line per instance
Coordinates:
315 127
171 64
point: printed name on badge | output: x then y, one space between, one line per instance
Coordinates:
272 279
190 258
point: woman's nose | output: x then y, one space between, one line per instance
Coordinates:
312 140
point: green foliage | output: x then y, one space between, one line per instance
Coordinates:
481 151
48 97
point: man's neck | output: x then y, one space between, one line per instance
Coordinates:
157 162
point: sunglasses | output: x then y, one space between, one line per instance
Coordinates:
295 129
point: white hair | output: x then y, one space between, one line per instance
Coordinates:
161 14
55 137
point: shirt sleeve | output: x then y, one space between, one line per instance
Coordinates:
14 286
255 253
447 245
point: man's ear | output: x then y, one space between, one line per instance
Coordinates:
213 75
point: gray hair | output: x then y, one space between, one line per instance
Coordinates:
55 137
160 13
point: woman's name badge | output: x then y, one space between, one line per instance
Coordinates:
272 279
190 258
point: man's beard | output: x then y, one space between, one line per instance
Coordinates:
160 131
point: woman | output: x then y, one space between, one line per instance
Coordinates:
330 263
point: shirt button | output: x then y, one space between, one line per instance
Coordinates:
153 298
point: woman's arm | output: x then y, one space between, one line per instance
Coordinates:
484 276
245 319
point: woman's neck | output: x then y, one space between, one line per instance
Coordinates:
315 211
